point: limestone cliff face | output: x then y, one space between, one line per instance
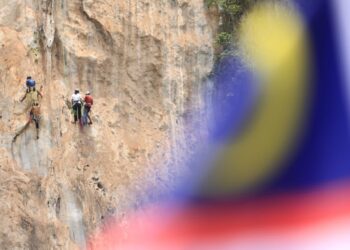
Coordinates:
144 62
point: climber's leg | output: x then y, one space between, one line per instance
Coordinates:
37 128
75 113
21 131
90 121
79 112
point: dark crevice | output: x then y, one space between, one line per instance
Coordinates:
106 35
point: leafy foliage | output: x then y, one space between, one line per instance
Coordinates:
230 9
224 38
234 8
230 12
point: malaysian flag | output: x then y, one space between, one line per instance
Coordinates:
276 173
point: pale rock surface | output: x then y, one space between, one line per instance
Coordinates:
144 62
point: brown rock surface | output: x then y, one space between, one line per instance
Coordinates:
143 61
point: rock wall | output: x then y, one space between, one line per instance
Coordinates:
144 62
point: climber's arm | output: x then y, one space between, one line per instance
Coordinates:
24 97
39 93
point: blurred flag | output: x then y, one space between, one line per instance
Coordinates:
279 172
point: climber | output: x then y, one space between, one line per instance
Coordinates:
34 116
88 102
76 106
30 84
33 96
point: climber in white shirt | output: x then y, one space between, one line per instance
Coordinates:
77 105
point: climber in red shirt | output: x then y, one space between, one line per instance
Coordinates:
88 102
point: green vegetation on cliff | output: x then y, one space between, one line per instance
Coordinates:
230 12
